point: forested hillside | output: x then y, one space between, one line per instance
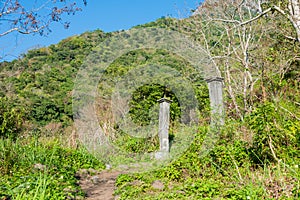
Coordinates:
257 156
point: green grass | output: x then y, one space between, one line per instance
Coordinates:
33 170
229 171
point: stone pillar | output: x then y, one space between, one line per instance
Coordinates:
215 87
164 120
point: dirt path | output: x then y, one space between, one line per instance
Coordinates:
98 185
101 185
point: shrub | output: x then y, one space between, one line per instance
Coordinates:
275 133
10 119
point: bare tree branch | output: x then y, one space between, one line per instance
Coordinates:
256 17
14 17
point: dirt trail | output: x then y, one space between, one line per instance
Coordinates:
100 185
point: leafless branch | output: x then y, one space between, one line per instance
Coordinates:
16 18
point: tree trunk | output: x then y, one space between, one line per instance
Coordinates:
294 12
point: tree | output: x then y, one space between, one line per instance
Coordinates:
243 38
217 25
290 9
15 16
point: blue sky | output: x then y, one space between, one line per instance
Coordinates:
107 15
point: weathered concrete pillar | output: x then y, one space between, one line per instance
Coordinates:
215 87
164 121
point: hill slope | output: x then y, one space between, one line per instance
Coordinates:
256 157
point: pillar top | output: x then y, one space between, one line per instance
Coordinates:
211 79
164 100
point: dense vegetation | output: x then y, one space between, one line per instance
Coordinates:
256 157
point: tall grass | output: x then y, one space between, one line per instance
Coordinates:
34 170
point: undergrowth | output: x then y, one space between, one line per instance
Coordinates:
34 170
231 170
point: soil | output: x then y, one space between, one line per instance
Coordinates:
101 185
98 185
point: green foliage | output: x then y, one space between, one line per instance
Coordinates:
37 53
123 179
10 119
163 22
226 157
43 79
132 144
145 97
37 171
200 189
246 192
227 172
276 133
238 167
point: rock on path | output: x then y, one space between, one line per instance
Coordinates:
98 185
